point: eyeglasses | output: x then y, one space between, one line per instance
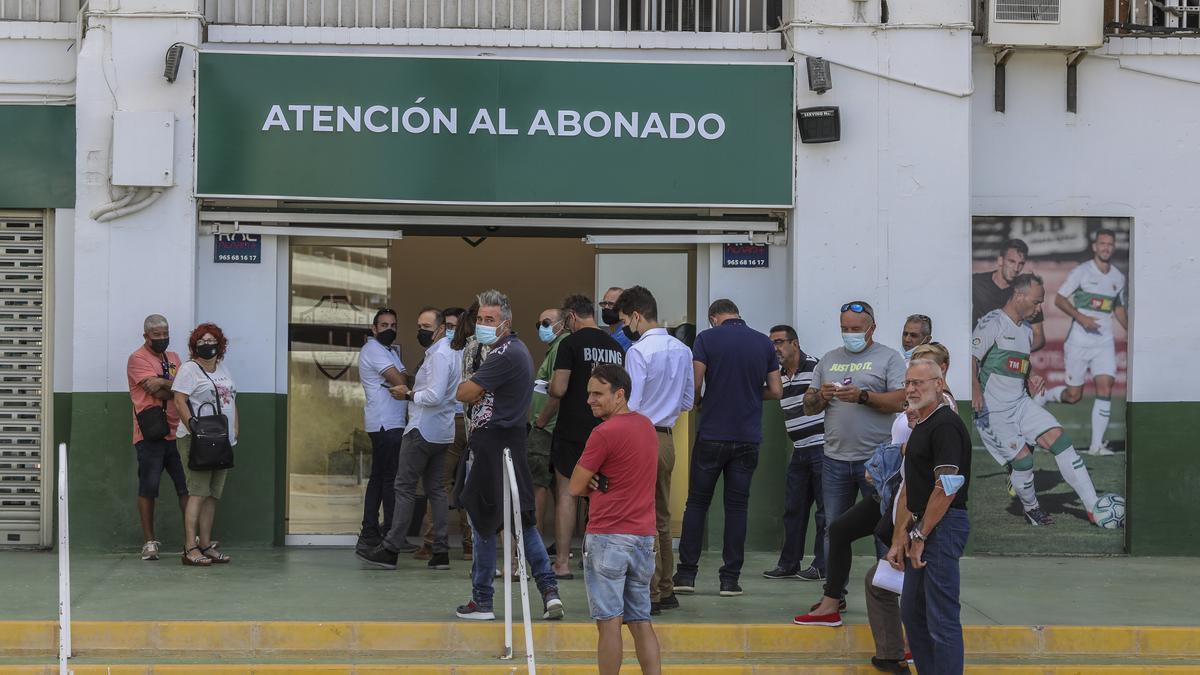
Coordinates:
604 304
545 323
917 383
858 308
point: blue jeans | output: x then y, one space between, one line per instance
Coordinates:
929 604
616 571
711 459
802 492
841 482
483 565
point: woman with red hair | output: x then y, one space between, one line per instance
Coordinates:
202 386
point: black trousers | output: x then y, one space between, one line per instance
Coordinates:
855 523
385 453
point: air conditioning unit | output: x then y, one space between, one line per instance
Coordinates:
1052 24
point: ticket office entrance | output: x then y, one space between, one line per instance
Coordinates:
335 287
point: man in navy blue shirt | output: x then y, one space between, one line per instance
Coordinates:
736 370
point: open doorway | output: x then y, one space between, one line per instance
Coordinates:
337 285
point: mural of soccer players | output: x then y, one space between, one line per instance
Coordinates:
1036 368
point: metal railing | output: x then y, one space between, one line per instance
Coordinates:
38 10
1162 17
728 16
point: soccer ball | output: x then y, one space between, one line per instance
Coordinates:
1109 512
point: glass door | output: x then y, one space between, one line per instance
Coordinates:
334 291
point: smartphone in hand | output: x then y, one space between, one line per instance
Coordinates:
601 482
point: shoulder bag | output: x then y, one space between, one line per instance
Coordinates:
211 449
153 420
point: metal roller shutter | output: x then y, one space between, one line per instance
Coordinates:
22 353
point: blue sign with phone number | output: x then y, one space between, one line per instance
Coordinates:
237 248
746 256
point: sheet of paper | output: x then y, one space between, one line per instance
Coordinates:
887 578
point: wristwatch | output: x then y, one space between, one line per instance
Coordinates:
408 395
862 397
915 534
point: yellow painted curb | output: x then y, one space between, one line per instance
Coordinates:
578 669
719 641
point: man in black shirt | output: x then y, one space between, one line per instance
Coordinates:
586 347
937 473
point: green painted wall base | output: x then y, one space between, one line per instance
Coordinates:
103 476
1164 479
1163 513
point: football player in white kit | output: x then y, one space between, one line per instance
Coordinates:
1093 295
1009 421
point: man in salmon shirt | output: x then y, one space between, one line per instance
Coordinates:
150 370
618 472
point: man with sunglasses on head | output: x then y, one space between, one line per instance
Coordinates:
543 414
860 388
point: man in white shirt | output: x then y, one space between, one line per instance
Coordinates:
660 368
429 433
379 369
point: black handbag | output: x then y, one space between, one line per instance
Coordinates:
153 420
211 449
153 423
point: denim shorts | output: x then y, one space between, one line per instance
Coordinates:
616 571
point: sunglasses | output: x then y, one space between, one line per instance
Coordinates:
858 308
544 323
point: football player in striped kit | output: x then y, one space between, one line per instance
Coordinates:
1093 296
1009 421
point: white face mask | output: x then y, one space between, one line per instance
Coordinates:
855 342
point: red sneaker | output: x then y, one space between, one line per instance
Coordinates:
831 620
908 658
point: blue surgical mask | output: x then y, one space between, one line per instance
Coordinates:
486 335
546 333
449 333
907 353
855 342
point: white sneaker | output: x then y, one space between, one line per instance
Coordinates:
1101 450
150 550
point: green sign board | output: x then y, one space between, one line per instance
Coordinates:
494 131
37 157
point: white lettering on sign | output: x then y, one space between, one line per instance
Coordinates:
420 118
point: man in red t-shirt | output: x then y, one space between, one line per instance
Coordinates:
617 472
150 370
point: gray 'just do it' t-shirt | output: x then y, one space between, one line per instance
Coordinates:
853 430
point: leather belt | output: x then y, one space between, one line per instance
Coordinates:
663 430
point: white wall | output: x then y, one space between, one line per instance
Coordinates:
143 263
64 298
1130 151
242 299
37 62
883 215
763 295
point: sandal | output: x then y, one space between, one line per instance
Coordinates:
214 555
202 561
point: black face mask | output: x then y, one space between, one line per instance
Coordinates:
206 351
633 336
424 337
159 346
610 317
386 337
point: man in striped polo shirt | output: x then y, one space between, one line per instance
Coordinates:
804 471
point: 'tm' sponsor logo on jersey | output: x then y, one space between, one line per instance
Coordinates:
1018 365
